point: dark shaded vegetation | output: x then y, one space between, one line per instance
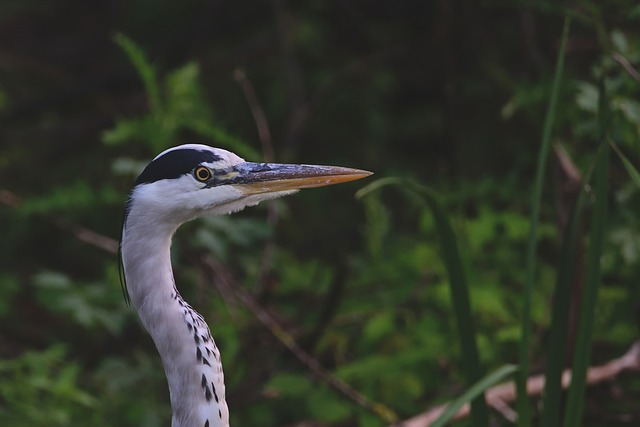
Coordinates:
448 94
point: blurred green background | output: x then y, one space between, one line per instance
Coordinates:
451 94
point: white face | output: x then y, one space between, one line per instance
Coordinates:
181 199
185 198
189 181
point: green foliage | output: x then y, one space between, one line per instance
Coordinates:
473 392
41 389
524 420
363 285
575 401
74 195
91 306
631 169
177 105
9 287
559 328
145 70
222 235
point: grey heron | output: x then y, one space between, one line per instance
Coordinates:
179 185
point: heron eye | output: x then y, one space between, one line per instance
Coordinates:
202 174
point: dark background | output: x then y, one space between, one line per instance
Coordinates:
450 93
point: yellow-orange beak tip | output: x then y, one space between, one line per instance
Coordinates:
271 177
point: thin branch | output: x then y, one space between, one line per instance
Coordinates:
10 199
88 236
627 66
268 153
262 125
81 233
224 281
290 343
567 182
499 396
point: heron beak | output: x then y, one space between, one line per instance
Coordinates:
255 178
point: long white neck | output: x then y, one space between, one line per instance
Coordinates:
189 354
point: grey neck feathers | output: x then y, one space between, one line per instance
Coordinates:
189 354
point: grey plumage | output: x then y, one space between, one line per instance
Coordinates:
179 185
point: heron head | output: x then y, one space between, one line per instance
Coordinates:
192 180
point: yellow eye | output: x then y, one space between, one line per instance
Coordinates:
202 173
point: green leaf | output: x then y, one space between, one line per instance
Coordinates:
144 68
630 109
52 280
458 287
524 418
9 287
290 385
47 380
129 130
587 97
84 303
558 333
326 407
619 41
582 352
127 166
631 170
473 392
379 326
459 290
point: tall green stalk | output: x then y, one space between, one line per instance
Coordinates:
524 417
459 291
575 400
472 392
145 70
558 332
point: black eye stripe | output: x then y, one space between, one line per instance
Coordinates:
174 164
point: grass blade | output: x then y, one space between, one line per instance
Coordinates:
631 170
145 69
458 287
575 400
473 392
556 355
524 417
459 291
575 403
